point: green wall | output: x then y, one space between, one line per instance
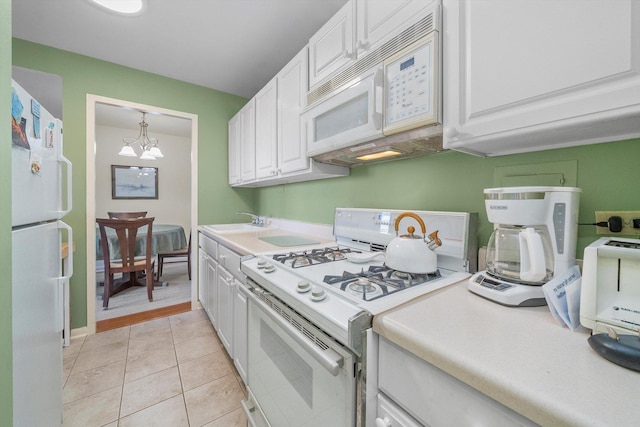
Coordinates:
607 173
6 370
82 75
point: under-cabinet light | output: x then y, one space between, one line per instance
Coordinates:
380 155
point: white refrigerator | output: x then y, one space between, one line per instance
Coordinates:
39 172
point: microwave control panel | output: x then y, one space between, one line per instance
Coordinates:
410 91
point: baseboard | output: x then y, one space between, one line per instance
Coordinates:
79 332
132 319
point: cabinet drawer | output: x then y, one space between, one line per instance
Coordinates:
391 415
434 397
230 261
209 245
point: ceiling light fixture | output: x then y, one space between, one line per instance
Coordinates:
150 150
124 7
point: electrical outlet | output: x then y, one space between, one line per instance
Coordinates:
627 222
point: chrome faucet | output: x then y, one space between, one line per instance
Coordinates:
255 219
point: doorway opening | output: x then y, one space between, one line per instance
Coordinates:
108 121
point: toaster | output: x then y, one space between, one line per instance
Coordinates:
610 295
610 299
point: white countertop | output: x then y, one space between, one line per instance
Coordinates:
249 243
518 356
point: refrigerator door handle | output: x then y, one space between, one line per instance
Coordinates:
69 193
67 274
62 290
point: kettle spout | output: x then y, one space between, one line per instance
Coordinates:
433 240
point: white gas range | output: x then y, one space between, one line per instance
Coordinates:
322 284
319 305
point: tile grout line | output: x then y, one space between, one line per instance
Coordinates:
124 375
175 352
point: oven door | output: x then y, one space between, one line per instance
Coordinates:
298 376
348 117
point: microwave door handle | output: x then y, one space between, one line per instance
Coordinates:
376 116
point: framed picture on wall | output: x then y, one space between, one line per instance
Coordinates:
134 182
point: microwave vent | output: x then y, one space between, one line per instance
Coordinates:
405 38
413 143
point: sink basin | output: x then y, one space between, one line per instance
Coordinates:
235 228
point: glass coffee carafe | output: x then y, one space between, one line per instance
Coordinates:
520 254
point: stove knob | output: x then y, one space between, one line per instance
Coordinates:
269 268
262 263
318 294
303 286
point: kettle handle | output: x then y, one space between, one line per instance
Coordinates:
532 265
414 216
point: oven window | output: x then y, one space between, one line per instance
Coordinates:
350 115
290 364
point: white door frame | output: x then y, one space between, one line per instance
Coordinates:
91 187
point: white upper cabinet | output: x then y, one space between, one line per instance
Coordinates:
234 150
332 47
280 154
378 21
361 26
266 131
292 89
247 133
524 76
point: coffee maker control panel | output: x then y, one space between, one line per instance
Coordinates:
559 223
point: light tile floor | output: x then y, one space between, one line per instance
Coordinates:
172 372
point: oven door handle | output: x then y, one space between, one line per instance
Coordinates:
331 360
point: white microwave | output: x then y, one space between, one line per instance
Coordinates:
399 94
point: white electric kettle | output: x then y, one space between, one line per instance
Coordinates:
413 253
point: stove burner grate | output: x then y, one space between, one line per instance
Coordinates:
381 281
313 256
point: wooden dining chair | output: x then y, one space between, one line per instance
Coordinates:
184 252
125 262
124 215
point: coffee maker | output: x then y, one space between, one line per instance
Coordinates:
533 240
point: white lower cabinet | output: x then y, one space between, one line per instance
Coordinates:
225 309
391 415
423 393
240 330
223 296
212 291
208 277
202 277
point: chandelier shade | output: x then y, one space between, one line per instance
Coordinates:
149 146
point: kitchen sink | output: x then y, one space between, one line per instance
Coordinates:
235 228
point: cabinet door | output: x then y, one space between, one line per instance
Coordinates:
225 309
292 89
234 150
521 76
331 47
248 142
212 291
266 131
203 261
240 330
378 21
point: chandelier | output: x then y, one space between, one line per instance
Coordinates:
150 150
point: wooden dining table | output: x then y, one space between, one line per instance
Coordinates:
164 238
